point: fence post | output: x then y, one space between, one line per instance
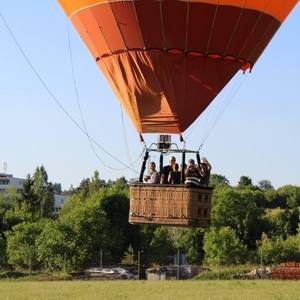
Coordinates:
139 254
178 264
101 258
65 262
30 264
139 264
261 263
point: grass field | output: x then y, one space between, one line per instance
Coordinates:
146 290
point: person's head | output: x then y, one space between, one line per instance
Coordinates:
152 166
204 160
191 162
203 166
172 160
175 167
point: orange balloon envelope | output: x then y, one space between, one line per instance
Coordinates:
167 60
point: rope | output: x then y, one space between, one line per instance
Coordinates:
53 97
214 114
125 137
222 110
212 28
79 104
253 29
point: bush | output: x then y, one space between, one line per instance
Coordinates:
222 247
277 250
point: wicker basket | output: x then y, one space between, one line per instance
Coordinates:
173 205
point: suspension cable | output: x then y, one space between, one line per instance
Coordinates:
78 100
223 109
215 109
81 112
54 98
209 116
125 136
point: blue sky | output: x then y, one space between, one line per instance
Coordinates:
257 135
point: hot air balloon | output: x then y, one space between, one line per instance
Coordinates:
167 60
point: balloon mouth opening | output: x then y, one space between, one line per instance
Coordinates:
244 64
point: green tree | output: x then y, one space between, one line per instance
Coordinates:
290 194
277 250
29 202
238 209
222 247
245 181
37 196
120 185
160 249
8 203
273 199
87 229
265 185
191 243
56 243
95 183
21 246
161 243
43 191
3 258
122 234
281 222
216 179
9 217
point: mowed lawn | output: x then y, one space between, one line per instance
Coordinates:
147 290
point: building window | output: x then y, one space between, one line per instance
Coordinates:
4 182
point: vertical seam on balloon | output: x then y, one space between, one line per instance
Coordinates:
93 5
263 36
212 27
138 22
187 26
135 109
280 17
262 13
235 28
101 32
100 28
120 31
162 25
163 91
186 58
185 85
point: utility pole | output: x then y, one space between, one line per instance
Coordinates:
65 262
261 263
139 264
101 258
178 264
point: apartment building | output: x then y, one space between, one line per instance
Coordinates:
8 181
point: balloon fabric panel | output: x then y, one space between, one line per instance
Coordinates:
167 60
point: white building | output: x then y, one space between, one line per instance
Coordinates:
7 181
58 202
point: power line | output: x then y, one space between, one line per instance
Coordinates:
125 136
79 105
53 97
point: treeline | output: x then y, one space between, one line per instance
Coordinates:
249 223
